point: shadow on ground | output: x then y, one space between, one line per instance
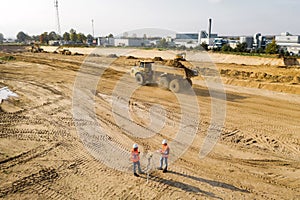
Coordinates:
211 182
183 186
217 94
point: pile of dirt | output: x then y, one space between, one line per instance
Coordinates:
158 59
174 63
260 76
94 55
290 61
9 106
113 56
78 54
131 57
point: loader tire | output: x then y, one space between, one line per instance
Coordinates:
175 86
164 83
140 79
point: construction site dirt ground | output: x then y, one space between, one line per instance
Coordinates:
42 155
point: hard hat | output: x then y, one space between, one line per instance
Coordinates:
164 141
135 146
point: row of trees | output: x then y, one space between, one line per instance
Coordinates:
71 36
74 37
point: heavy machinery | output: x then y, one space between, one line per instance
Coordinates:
35 48
180 56
65 52
175 79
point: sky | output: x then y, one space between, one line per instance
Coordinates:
230 17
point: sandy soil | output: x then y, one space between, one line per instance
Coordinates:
42 156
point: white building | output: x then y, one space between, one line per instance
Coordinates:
207 38
104 41
233 43
186 39
289 42
131 42
248 40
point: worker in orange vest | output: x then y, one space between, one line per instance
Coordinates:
164 151
135 158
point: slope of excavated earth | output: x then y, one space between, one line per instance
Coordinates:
42 156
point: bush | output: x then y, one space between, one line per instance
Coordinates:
272 48
7 58
226 48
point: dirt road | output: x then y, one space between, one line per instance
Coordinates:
44 156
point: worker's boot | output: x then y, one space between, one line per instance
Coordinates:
165 170
160 168
135 174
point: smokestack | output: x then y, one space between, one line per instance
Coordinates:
209 27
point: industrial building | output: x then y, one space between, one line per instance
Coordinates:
131 42
289 42
259 41
195 39
248 40
209 37
186 39
105 41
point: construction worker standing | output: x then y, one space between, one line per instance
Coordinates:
164 151
135 158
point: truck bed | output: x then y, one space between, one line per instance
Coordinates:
169 70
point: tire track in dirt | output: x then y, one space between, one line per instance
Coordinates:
258 140
28 181
34 134
41 182
24 157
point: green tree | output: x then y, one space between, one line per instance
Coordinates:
66 36
53 36
260 50
110 36
35 38
81 38
272 48
89 37
44 38
182 47
22 37
226 48
1 38
163 43
241 47
73 35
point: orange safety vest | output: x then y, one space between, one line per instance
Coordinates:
135 156
165 151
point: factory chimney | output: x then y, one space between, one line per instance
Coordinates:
209 28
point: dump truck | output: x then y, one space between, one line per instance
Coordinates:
175 79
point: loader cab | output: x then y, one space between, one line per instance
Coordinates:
145 66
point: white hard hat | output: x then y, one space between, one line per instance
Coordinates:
164 141
135 146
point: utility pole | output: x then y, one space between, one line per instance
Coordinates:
57 17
